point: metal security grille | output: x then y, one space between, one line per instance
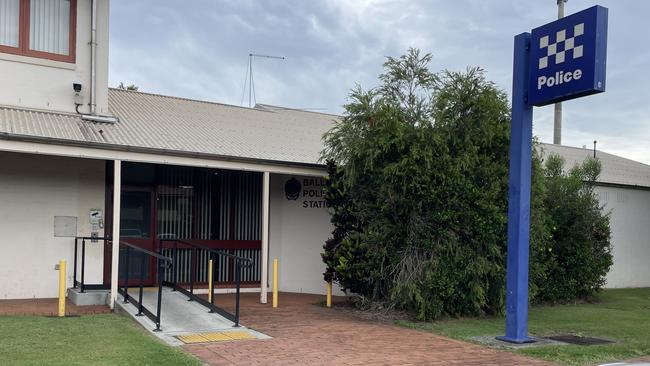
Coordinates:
223 266
225 188
175 201
248 206
209 204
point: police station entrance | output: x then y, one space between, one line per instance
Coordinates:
187 211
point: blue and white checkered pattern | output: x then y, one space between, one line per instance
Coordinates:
561 47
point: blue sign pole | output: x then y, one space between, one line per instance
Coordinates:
561 60
521 137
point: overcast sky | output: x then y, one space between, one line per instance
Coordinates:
199 49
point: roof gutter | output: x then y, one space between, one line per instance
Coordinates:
623 186
153 151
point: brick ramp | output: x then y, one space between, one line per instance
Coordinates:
306 334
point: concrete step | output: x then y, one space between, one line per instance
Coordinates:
88 297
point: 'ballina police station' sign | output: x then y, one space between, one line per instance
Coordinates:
308 190
568 57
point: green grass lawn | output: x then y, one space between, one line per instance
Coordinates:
620 315
106 339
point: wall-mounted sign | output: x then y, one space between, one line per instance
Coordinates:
292 189
96 216
568 57
307 191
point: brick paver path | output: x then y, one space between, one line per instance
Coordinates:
48 307
307 334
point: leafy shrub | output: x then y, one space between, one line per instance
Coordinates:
579 247
417 184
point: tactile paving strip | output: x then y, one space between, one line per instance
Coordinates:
215 337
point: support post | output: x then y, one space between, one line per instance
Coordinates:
160 270
74 265
275 282
192 271
62 273
140 306
329 294
210 281
126 271
83 265
115 250
174 265
519 197
237 291
265 239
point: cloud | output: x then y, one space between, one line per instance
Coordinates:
199 50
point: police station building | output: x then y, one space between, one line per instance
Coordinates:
78 159
83 167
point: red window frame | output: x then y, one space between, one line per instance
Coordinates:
23 36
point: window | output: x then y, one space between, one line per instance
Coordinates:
39 28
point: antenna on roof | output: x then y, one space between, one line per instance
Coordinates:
248 78
595 142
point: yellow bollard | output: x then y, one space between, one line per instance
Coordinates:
275 283
210 281
329 294
62 273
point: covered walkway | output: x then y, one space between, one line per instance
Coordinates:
305 333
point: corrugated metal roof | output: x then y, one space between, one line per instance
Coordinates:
615 169
268 133
184 125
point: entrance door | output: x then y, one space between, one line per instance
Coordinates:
137 228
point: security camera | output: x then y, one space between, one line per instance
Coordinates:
76 86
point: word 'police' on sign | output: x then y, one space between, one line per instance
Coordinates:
568 57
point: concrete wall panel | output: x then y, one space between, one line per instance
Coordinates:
299 226
630 225
33 190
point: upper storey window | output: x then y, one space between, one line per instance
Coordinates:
39 28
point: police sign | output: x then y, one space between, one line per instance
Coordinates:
568 57
561 60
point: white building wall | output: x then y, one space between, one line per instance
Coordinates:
298 230
33 190
630 226
37 83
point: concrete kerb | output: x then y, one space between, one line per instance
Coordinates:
492 341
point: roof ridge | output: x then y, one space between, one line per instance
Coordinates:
186 99
598 151
295 109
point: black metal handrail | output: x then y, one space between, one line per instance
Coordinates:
239 261
161 261
81 284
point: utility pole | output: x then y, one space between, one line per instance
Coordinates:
557 121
